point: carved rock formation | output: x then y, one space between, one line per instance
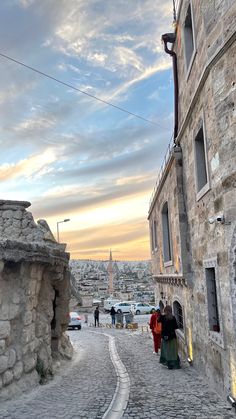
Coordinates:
34 299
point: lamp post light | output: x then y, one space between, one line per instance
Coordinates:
63 221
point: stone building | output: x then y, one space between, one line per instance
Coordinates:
192 214
34 298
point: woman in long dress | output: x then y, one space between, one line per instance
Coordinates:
169 345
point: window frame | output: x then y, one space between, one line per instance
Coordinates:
155 235
151 237
205 188
166 239
188 65
216 337
213 300
176 314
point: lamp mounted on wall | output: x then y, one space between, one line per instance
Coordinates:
190 361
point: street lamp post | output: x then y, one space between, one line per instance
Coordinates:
63 221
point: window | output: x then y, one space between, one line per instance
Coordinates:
213 313
155 234
166 234
200 160
178 312
152 237
188 37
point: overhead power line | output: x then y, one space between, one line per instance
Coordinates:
75 88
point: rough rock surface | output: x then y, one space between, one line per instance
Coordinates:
34 299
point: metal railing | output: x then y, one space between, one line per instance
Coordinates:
162 169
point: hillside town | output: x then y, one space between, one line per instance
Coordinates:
124 280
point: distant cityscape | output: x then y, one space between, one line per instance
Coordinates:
124 280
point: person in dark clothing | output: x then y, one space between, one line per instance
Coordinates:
113 316
96 316
169 345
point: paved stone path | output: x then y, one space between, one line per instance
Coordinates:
96 384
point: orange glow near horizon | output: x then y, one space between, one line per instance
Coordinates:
120 225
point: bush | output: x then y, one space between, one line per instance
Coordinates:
44 373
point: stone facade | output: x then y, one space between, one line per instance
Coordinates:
194 258
34 298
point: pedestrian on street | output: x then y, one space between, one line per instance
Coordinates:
113 316
96 316
169 345
155 327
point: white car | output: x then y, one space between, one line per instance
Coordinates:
109 303
75 320
123 307
143 308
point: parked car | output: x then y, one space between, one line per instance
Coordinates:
143 308
75 320
109 303
123 307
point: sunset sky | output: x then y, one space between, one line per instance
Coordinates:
68 154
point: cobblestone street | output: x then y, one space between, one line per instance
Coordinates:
100 383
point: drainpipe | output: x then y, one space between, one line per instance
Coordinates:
170 38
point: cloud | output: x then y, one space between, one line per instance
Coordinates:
78 198
33 165
164 64
26 3
87 33
86 241
67 153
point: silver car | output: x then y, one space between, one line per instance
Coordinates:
75 320
143 308
123 307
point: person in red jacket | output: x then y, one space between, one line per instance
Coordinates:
155 327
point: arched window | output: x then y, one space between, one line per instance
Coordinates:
166 233
178 312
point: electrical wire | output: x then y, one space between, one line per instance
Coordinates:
75 88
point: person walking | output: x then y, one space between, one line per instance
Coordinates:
96 316
113 316
155 327
169 345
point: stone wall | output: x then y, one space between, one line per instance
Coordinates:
213 25
207 94
34 298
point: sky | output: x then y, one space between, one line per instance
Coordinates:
74 157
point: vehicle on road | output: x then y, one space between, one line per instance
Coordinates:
75 320
123 307
109 303
143 308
